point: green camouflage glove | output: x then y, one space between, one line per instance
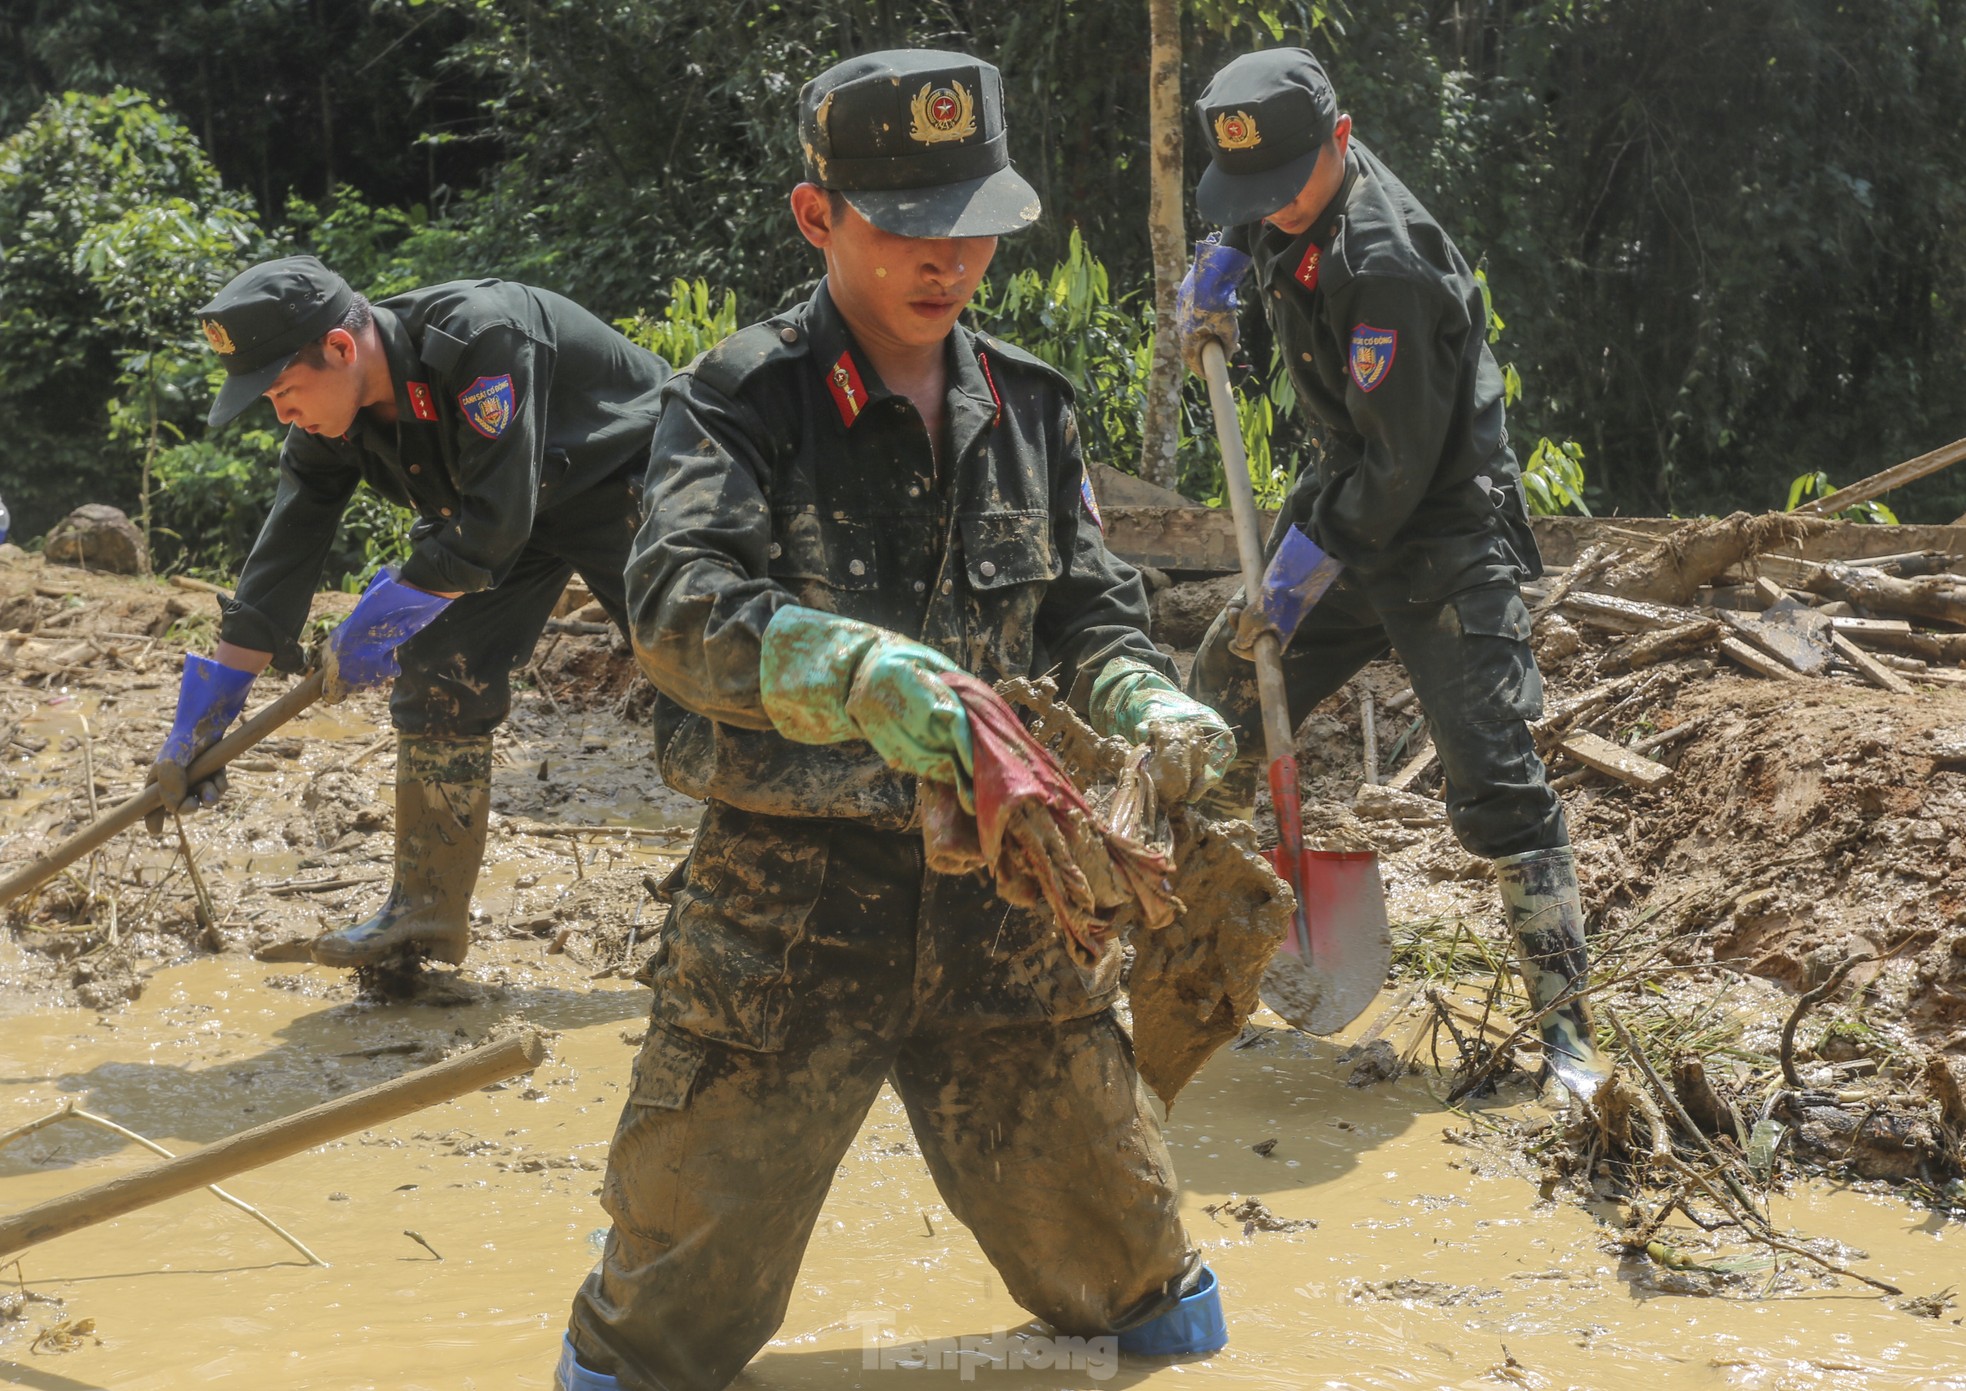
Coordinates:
826 679
1192 746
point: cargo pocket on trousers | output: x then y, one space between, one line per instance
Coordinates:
1497 677
666 1069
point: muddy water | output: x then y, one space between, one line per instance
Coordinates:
501 1184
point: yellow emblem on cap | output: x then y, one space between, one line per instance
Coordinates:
942 113
1236 130
220 340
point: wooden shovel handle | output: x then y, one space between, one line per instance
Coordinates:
106 827
1277 732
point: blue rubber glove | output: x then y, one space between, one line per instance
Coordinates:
362 651
1298 575
1192 745
209 699
824 679
1205 306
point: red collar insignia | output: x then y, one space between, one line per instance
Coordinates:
990 380
843 380
1307 268
422 404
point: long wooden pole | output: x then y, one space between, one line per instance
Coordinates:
44 867
493 1062
1878 484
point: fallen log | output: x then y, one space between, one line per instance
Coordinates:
482 1066
1948 648
1936 598
1616 614
1672 570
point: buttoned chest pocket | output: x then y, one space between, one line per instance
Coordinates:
808 548
1003 549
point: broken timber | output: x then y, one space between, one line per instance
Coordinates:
1622 764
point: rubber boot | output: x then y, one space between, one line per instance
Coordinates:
1545 912
571 1376
443 805
1192 1328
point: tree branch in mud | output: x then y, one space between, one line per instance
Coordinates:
1804 1005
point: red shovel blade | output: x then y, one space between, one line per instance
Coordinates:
1335 958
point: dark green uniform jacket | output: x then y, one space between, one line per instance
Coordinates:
1382 326
510 401
784 472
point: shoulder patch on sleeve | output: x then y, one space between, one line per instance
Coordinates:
1372 355
489 404
1091 502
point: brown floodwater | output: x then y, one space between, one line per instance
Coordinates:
501 1185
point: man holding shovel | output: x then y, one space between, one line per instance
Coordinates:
516 424
1415 491
846 502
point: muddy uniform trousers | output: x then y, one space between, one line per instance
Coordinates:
457 673
806 962
1469 659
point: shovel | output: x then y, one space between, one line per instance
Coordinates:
105 828
1335 958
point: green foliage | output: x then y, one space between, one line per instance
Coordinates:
213 493
690 323
1814 485
385 251
113 227
374 532
1553 478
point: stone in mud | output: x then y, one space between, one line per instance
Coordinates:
97 536
1376 1062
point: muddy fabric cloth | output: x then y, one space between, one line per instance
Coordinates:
1468 656
1043 844
1384 329
1195 982
785 472
513 405
806 962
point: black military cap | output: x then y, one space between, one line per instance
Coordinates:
262 319
915 140
1264 118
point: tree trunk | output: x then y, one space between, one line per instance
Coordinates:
1167 232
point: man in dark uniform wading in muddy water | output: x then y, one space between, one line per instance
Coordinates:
516 424
845 501
1416 491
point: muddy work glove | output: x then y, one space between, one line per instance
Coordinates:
826 680
209 699
1192 745
1205 306
362 651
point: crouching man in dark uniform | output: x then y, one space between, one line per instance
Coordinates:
843 502
1382 326
516 424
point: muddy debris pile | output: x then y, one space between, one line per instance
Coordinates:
1763 761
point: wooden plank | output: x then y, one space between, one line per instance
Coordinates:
1868 666
1626 615
1787 632
1868 627
1410 771
1878 484
1755 662
1622 764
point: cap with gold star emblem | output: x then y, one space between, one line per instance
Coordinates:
262 319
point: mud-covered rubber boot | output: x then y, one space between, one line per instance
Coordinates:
443 806
573 1375
1545 912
